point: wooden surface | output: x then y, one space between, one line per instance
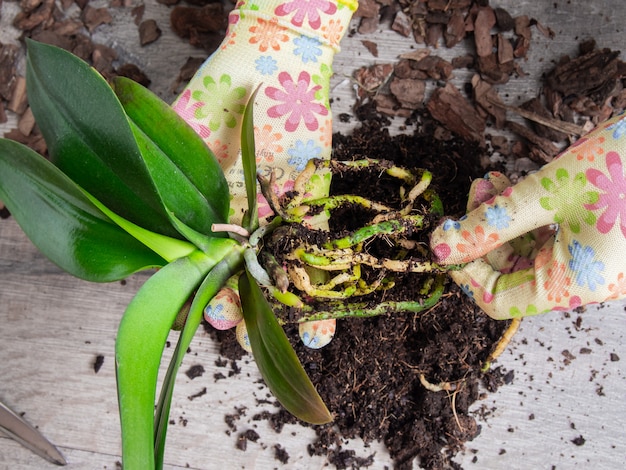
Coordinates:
52 327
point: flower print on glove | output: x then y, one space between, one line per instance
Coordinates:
550 242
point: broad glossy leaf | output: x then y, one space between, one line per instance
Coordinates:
63 223
248 159
141 338
89 136
215 280
276 359
187 153
169 248
180 197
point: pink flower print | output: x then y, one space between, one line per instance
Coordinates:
618 289
589 149
220 150
306 8
267 143
557 284
326 133
333 32
268 34
187 111
478 242
574 302
297 100
613 200
229 39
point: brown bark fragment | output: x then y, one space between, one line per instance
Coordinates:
505 50
485 21
504 20
19 101
29 20
451 109
455 29
402 24
368 25
370 79
149 32
202 26
8 58
371 46
367 9
534 105
94 17
489 101
591 73
542 150
408 92
134 73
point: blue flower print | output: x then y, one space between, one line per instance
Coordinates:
467 290
266 65
308 48
302 152
215 313
618 128
497 217
310 341
451 224
585 267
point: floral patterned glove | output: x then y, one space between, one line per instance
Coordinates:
554 241
286 47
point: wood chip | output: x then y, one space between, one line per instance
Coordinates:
19 101
26 122
149 32
8 59
408 92
402 24
371 46
94 17
488 99
542 150
485 21
370 79
590 73
504 20
202 26
454 111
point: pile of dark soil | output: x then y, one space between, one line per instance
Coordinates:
369 375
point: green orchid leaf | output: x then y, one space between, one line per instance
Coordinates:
169 248
248 159
230 264
180 197
89 137
141 339
276 359
63 222
189 155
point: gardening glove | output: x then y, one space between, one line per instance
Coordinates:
286 48
554 241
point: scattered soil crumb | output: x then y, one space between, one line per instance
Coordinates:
281 454
98 363
195 371
243 438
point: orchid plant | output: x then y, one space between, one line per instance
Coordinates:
130 186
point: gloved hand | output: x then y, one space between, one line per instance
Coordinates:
286 47
554 241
